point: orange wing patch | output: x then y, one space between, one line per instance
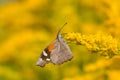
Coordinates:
51 46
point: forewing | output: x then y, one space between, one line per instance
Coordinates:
45 55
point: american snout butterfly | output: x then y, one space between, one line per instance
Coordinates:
57 52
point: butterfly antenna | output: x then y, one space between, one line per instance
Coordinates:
58 35
62 28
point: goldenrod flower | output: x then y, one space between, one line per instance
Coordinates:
100 43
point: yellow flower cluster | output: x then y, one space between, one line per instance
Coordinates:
100 43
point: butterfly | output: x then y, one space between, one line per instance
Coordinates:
57 52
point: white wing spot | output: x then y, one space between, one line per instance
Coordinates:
48 59
44 53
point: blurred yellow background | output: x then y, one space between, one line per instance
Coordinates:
28 26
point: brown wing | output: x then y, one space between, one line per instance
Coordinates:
61 52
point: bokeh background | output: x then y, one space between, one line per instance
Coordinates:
28 26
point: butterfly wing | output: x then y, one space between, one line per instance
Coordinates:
61 52
45 55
